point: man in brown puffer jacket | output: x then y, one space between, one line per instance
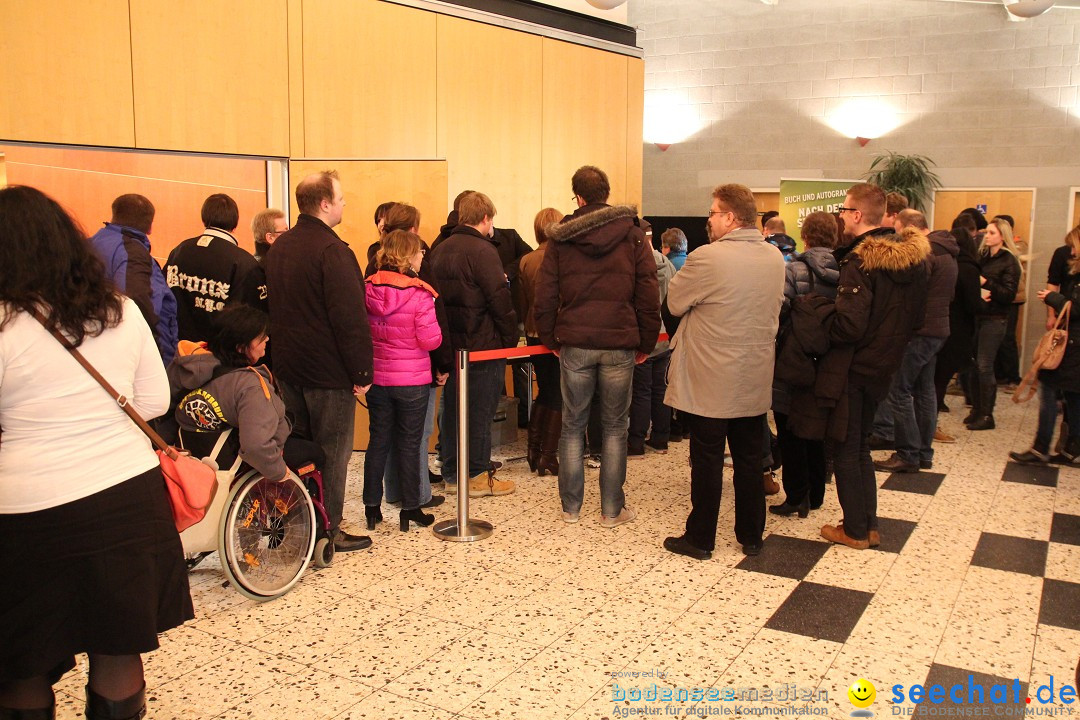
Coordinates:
598 307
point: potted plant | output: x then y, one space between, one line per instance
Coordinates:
909 175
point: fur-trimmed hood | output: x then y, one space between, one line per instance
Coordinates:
896 254
597 228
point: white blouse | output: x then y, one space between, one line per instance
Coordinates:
62 437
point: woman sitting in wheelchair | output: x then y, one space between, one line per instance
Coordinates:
223 387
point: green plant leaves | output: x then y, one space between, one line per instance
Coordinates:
909 175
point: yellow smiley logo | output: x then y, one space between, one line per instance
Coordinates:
862 693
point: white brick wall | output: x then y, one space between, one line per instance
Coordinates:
995 103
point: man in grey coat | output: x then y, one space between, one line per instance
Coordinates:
729 295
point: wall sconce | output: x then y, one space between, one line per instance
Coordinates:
864 118
663 146
862 141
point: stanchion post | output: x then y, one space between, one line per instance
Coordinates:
462 529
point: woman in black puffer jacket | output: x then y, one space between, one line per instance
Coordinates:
1000 270
1066 377
813 271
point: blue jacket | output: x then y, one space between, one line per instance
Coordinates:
676 258
126 253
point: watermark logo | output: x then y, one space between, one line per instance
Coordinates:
861 694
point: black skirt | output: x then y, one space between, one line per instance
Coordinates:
104 574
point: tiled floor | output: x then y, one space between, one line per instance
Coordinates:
977 580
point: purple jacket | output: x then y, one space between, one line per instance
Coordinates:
404 329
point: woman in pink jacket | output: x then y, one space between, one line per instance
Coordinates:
404 329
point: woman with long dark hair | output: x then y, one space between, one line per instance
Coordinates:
230 387
90 558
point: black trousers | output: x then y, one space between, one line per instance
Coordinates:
804 464
856 486
707 439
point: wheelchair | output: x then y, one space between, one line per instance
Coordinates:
265 532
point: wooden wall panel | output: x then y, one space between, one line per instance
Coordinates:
86 182
369 80
1018 203
635 129
296 78
65 70
585 119
490 93
766 200
1076 210
211 75
3 171
366 184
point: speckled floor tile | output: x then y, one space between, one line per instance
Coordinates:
399 645
746 597
1063 562
856 571
909 627
315 696
382 705
678 582
545 615
227 681
786 557
820 611
617 632
693 650
1068 493
1059 602
1022 511
463 670
992 628
1065 529
422 582
883 669
627 696
903 505
1056 655
251 620
774 658
472 602
330 629
553 684
1012 554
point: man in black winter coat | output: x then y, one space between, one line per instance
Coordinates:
464 265
322 342
912 399
880 301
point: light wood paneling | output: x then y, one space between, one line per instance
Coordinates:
490 91
585 119
65 70
296 78
366 184
86 182
767 201
369 80
1018 203
3 170
635 129
211 75
1076 210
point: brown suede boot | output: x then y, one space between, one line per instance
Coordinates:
536 427
771 486
549 444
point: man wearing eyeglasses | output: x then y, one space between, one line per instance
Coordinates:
729 295
881 300
266 227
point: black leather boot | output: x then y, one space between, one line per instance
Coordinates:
130 708
536 428
548 464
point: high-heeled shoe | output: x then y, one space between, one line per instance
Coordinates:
417 516
374 516
786 508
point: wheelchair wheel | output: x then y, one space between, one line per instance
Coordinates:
324 553
266 536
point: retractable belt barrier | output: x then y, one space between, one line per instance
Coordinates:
463 528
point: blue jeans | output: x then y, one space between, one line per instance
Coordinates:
391 479
327 417
583 370
396 413
484 381
914 402
1048 412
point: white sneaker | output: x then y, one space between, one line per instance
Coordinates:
625 515
592 461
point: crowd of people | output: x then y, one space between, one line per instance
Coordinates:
850 342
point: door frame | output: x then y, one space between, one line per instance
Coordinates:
1069 222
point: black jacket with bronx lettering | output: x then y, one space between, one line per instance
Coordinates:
208 273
